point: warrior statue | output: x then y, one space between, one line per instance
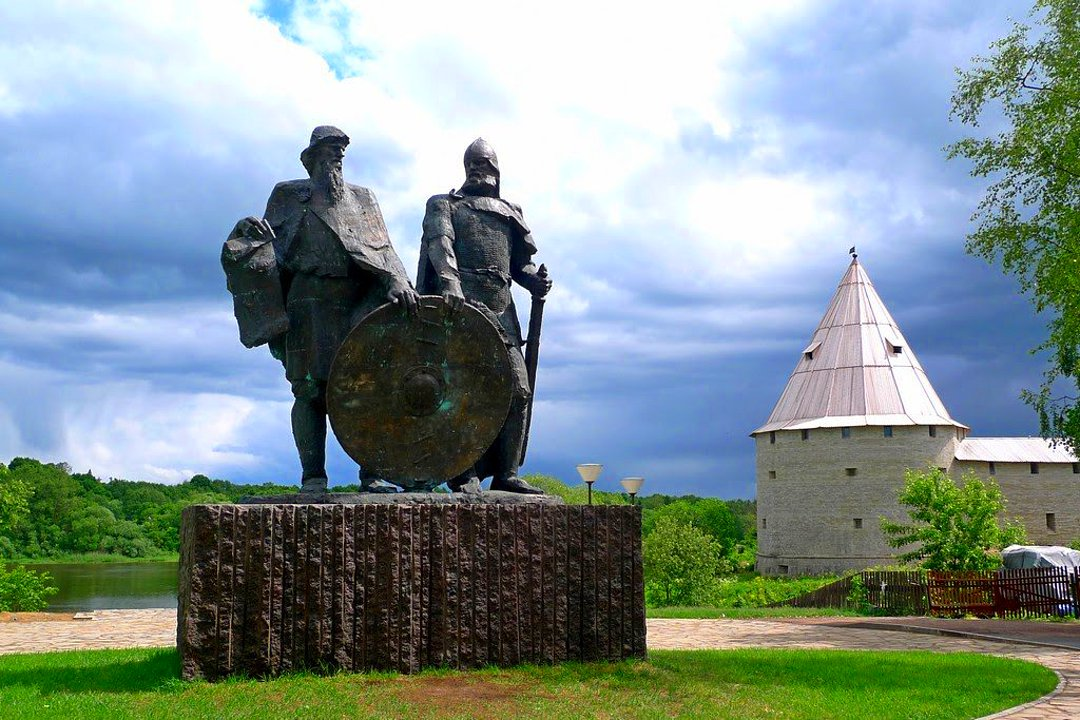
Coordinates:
474 244
332 263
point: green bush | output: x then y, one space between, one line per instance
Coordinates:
682 564
762 591
23 590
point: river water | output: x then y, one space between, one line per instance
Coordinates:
100 586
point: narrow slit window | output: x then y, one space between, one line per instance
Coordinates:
772 438
1051 522
887 431
805 434
764 523
933 431
1076 468
851 472
1034 468
845 432
772 474
783 569
992 467
858 523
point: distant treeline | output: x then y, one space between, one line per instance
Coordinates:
47 511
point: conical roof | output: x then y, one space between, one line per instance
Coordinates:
857 370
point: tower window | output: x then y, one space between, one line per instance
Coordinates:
992 466
850 472
1076 468
772 438
845 432
1034 468
933 431
887 431
894 348
782 569
810 349
805 434
1051 522
764 524
772 474
858 523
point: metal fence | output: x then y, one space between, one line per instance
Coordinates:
1004 593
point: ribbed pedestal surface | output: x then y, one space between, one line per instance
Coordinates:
265 589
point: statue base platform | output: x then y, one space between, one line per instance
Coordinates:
488 497
405 585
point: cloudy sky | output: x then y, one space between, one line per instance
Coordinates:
694 173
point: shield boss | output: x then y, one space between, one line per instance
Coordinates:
417 400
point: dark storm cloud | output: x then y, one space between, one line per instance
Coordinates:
116 204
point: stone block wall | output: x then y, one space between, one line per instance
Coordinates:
1055 489
265 589
807 513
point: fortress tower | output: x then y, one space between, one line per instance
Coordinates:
857 411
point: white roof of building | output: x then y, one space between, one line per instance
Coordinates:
1013 449
857 370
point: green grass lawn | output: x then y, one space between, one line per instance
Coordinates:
790 684
681 613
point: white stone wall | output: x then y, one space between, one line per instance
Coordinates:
807 512
1055 489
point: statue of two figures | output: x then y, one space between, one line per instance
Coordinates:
421 385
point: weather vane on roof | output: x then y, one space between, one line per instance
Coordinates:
852 253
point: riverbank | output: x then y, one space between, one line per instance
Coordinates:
92 559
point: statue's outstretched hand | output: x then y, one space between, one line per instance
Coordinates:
401 294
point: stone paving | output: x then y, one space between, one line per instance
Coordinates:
154 628
104 629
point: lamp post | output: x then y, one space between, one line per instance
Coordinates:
632 485
589 472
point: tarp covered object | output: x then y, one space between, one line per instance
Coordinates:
1034 556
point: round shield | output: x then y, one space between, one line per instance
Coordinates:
417 400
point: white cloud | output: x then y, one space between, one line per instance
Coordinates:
141 130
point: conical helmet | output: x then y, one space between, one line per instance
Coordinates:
481 149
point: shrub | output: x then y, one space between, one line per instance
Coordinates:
681 563
764 591
23 590
953 527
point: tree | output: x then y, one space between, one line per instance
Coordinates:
14 501
710 515
953 527
681 562
1029 218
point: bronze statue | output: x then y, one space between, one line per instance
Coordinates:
474 244
332 263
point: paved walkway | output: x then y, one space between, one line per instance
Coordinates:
150 628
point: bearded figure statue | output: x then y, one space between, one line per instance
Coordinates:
303 276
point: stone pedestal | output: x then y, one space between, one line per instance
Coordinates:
268 588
